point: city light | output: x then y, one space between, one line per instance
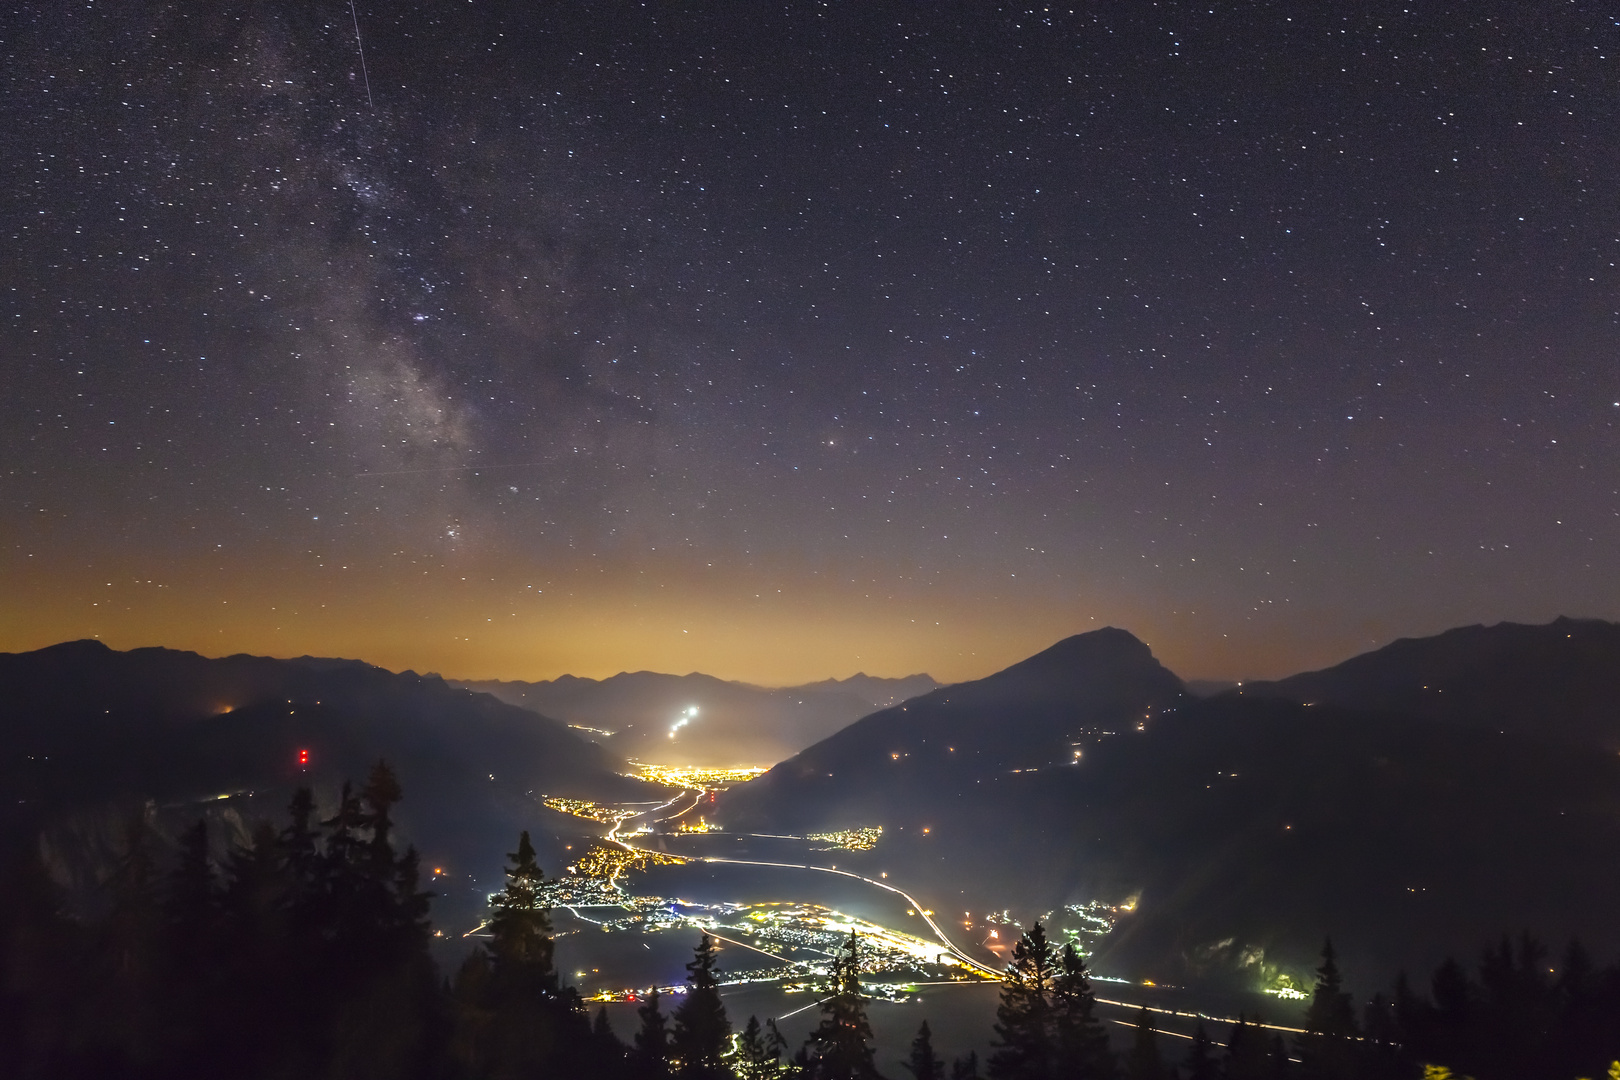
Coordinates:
692 777
863 838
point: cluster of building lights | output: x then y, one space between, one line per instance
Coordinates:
693 777
864 838
590 811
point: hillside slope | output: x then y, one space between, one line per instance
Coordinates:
1561 680
90 733
1239 830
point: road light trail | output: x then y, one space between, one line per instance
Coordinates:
697 797
744 944
939 933
806 1008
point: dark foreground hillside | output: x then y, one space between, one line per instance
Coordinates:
90 732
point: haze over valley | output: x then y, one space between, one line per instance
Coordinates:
1183 842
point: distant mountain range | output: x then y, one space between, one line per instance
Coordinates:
90 733
1243 828
700 720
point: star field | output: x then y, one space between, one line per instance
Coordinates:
782 341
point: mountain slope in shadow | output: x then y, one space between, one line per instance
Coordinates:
1039 712
1561 680
1239 831
90 733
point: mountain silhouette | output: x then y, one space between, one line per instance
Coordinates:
1561 680
91 731
1237 830
634 714
1037 712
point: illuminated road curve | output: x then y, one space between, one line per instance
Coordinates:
916 906
939 933
613 837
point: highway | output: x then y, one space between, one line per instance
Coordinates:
697 796
939 933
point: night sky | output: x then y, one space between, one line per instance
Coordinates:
786 341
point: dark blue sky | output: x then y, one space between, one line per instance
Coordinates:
784 341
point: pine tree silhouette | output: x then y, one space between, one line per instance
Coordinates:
1046 1024
606 1048
840 1048
650 1051
1143 1062
702 1031
759 1051
1079 1037
1023 1047
923 1063
125 994
1200 1062
966 1067
1248 1053
1327 1050
520 943
513 1019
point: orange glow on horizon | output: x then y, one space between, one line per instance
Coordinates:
490 623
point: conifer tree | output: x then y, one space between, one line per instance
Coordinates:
923 1063
1079 1038
189 953
529 1026
759 1051
385 1017
1046 1024
36 942
1282 1066
606 1049
777 1045
702 1031
253 960
1023 1047
124 994
1248 1055
650 1050
1200 1062
966 1067
520 944
1327 1050
840 1048
299 838
189 905
1144 1062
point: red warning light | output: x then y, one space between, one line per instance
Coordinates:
303 757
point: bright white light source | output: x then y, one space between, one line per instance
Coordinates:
686 718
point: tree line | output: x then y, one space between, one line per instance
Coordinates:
306 954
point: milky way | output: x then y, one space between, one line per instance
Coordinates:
785 341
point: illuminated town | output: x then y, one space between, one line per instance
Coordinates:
791 941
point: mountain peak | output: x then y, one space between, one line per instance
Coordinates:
1087 664
1110 645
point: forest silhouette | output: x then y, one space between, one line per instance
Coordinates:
305 953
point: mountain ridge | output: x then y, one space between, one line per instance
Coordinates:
644 714
1239 830
1559 679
